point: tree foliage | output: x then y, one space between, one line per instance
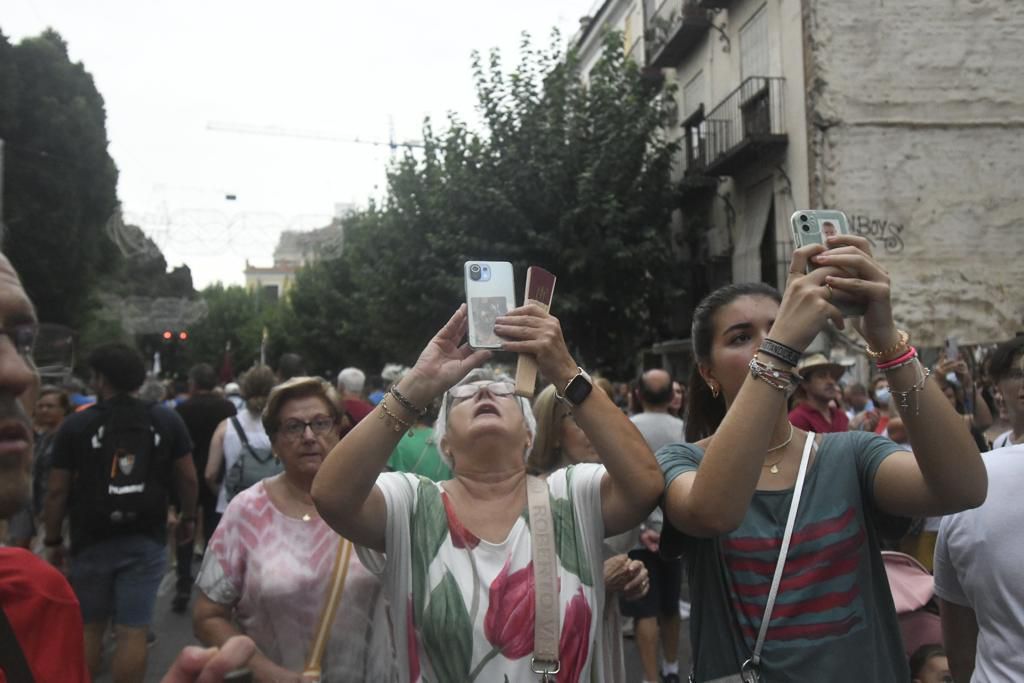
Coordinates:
570 175
60 182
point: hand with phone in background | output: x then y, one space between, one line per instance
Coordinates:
490 293
816 226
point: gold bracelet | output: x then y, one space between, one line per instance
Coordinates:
397 422
900 345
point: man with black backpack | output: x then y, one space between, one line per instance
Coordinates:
114 466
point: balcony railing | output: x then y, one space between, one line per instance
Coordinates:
673 30
749 122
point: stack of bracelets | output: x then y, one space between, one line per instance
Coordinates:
782 379
900 355
398 423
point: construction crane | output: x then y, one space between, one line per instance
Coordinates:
283 132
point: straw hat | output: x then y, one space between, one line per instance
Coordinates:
819 360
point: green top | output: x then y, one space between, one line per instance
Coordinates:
834 618
416 453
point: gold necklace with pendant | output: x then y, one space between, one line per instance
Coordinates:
773 467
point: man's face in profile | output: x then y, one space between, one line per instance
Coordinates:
18 386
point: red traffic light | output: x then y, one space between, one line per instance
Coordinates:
183 335
168 334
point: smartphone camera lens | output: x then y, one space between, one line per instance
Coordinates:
803 218
806 227
474 272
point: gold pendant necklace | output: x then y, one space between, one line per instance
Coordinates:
773 467
306 517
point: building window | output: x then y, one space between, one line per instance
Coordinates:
754 46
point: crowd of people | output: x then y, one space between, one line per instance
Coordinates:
436 524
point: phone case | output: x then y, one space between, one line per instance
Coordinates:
490 292
812 226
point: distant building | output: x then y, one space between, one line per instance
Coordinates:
905 115
296 249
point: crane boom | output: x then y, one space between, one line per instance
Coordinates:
283 132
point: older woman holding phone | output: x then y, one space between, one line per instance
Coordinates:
732 492
456 555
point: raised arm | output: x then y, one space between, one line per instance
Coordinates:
945 472
633 484
344 488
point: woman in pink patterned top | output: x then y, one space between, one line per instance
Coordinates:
268 566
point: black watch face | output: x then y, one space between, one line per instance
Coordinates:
578 389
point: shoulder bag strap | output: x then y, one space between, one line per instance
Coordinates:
241 433
333 596
12 658
542 539
755 659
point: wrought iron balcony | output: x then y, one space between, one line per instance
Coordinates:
747 124
673 30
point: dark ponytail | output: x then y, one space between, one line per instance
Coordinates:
704 412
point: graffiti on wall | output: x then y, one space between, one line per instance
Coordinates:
880 232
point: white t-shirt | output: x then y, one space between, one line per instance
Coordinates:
979 563
252 425
1003 440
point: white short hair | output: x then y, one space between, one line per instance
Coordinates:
352 380
479 375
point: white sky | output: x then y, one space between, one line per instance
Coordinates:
166 69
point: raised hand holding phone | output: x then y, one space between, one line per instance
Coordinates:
490 293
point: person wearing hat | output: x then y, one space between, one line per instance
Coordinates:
817 411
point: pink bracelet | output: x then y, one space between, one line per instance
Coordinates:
896 362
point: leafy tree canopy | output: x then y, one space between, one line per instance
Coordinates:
567 174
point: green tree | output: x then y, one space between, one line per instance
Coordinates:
234 316
570 175
60 182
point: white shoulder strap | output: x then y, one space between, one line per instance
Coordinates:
783 551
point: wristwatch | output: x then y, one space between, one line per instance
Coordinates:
577 390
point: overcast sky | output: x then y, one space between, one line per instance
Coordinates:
347 69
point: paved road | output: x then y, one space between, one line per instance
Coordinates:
174 631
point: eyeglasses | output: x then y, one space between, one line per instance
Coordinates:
294 429
23 337
462 392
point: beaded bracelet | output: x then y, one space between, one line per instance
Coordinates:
787 354
397 422
896 363
406 403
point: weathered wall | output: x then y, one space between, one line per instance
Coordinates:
916 112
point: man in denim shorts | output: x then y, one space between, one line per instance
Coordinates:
113 468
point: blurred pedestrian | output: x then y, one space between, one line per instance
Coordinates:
817 394
202 412
1006 369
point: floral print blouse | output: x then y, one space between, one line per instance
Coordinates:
463 608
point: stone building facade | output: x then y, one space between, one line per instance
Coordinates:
908 116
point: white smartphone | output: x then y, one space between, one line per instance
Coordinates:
490 292
814 226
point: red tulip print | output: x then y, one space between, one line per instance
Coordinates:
508 624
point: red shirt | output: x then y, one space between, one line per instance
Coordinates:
357 409
45 617
806 417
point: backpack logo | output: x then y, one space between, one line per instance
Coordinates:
125 462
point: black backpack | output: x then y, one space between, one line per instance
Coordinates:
122 487
253 464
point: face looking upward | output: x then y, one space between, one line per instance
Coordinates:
488 411
739 329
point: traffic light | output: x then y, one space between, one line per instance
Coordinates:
167 335
183 335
